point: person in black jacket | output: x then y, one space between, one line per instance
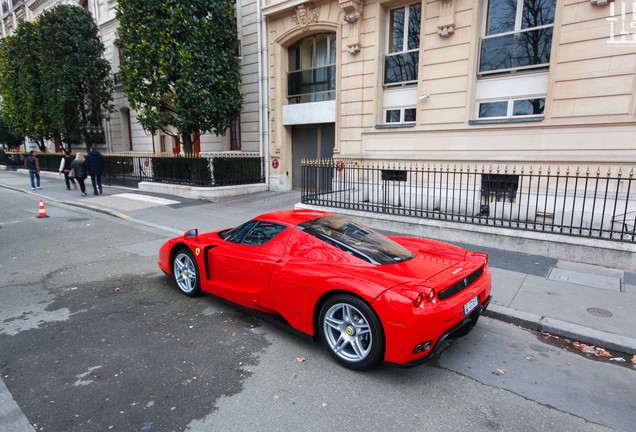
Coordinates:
78 170
95 166
65 168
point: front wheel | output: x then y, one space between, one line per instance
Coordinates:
351 331
186 273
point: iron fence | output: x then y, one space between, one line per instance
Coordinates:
220 169
596 204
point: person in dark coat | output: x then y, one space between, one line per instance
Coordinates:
33 165
78 170
95 166
65 168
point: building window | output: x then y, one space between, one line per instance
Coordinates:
235 134
517 35
512 108
399 115
403 46
312 69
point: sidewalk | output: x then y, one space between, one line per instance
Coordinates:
585 303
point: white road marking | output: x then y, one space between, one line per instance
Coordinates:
147 198
82 382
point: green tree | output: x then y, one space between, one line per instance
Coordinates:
21 84
179 64
54 82
77 81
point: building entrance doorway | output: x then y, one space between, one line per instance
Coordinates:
311 142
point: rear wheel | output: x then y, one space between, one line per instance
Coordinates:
186 273
351 331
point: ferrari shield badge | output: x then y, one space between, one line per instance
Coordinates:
197 251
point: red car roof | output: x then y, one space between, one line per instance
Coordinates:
293 217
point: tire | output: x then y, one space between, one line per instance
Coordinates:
351 332
186 273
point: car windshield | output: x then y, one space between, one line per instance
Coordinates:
356 240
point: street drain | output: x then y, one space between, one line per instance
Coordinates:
599 312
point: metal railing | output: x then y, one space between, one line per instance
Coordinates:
597 203
213 169
312 85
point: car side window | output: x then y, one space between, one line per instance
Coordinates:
236 235
262 232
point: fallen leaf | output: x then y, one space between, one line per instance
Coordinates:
585 349
300 359
634 360
501 371
600 352
549 336
591 349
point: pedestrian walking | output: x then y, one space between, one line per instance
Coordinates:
65 168
78 170
33 165
95 166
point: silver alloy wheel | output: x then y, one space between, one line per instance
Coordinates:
348 333
185 272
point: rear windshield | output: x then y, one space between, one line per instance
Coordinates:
357 240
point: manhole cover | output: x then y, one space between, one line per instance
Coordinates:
600 312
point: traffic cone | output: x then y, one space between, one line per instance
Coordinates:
42 212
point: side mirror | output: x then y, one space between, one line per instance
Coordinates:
191 233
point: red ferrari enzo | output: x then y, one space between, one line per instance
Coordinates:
370 298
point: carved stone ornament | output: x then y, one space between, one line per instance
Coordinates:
305 14
352 12
600 2
446 20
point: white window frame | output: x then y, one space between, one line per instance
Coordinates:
517 30
402 114
405 40
509 111
510 88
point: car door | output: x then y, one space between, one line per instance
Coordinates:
240 267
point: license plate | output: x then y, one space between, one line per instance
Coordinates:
472 304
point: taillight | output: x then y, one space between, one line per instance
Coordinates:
418 297
417 302
431 296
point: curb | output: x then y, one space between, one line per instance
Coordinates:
562 329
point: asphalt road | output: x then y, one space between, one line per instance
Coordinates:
93 337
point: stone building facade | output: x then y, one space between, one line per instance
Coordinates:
538 82
126 134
